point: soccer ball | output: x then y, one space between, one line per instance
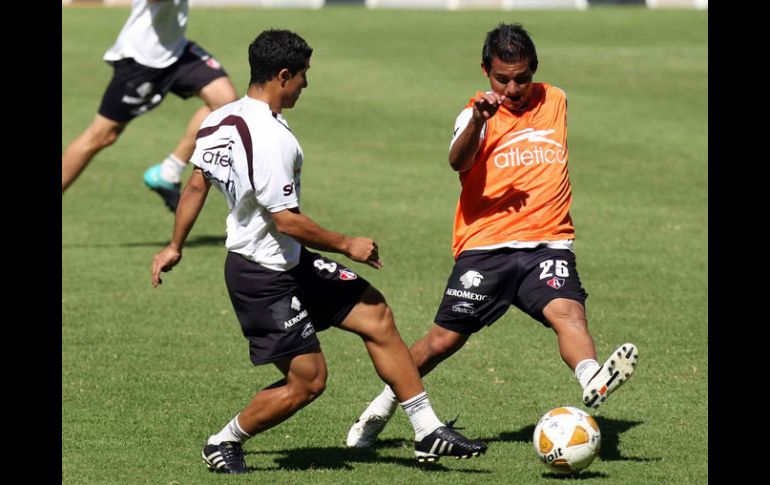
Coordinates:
567 439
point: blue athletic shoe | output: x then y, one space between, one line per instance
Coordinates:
168 192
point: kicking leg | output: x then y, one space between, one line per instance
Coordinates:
101 133
568 320
372 319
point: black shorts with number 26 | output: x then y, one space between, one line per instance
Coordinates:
484 284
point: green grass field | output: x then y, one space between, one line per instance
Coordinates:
148 374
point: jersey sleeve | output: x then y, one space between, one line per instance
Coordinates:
274 181
202 139
461 122
196 158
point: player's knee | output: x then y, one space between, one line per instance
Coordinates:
102 138
445 344
308 389
219 93
566 317
386 323
381 323
313 388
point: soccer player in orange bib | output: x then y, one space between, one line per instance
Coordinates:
513 234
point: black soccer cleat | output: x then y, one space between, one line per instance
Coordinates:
170 197
226 457
445 441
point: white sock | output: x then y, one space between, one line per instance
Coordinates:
231 432
171 169
585 370
385 404
420 412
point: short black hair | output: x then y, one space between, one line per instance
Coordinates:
274 50
511 43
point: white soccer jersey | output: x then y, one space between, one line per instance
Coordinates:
253 158
154 34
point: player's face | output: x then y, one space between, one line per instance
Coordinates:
514 81
296 84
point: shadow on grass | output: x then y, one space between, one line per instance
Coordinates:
610 429
576 476
190 243
343 458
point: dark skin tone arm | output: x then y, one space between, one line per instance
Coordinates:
288 221
463 151
309 233
190 204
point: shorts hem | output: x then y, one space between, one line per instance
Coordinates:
294 352
538 313
459 328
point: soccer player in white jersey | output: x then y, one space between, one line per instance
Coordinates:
281 292
151 57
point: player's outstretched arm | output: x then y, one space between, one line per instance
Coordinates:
305 230
464 149
190 204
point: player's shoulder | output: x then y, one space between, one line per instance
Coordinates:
475 97
224 117
553 91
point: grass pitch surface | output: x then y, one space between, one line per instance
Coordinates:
148 374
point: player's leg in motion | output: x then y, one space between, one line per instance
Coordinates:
432 349
101 133
568 320
304 380
165 177
373 320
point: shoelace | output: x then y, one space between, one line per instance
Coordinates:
451 423
233 455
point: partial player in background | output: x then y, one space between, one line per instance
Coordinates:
281 292
513 234
151 57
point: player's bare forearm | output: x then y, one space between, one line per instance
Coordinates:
190 204
464 149
309 233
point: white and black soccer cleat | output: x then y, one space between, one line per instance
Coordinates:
445 441
610 376
226 457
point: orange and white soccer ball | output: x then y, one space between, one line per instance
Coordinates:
567 439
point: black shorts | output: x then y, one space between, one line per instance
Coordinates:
136 89
280 311
483 284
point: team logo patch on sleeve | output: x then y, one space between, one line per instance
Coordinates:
347 275
555 282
